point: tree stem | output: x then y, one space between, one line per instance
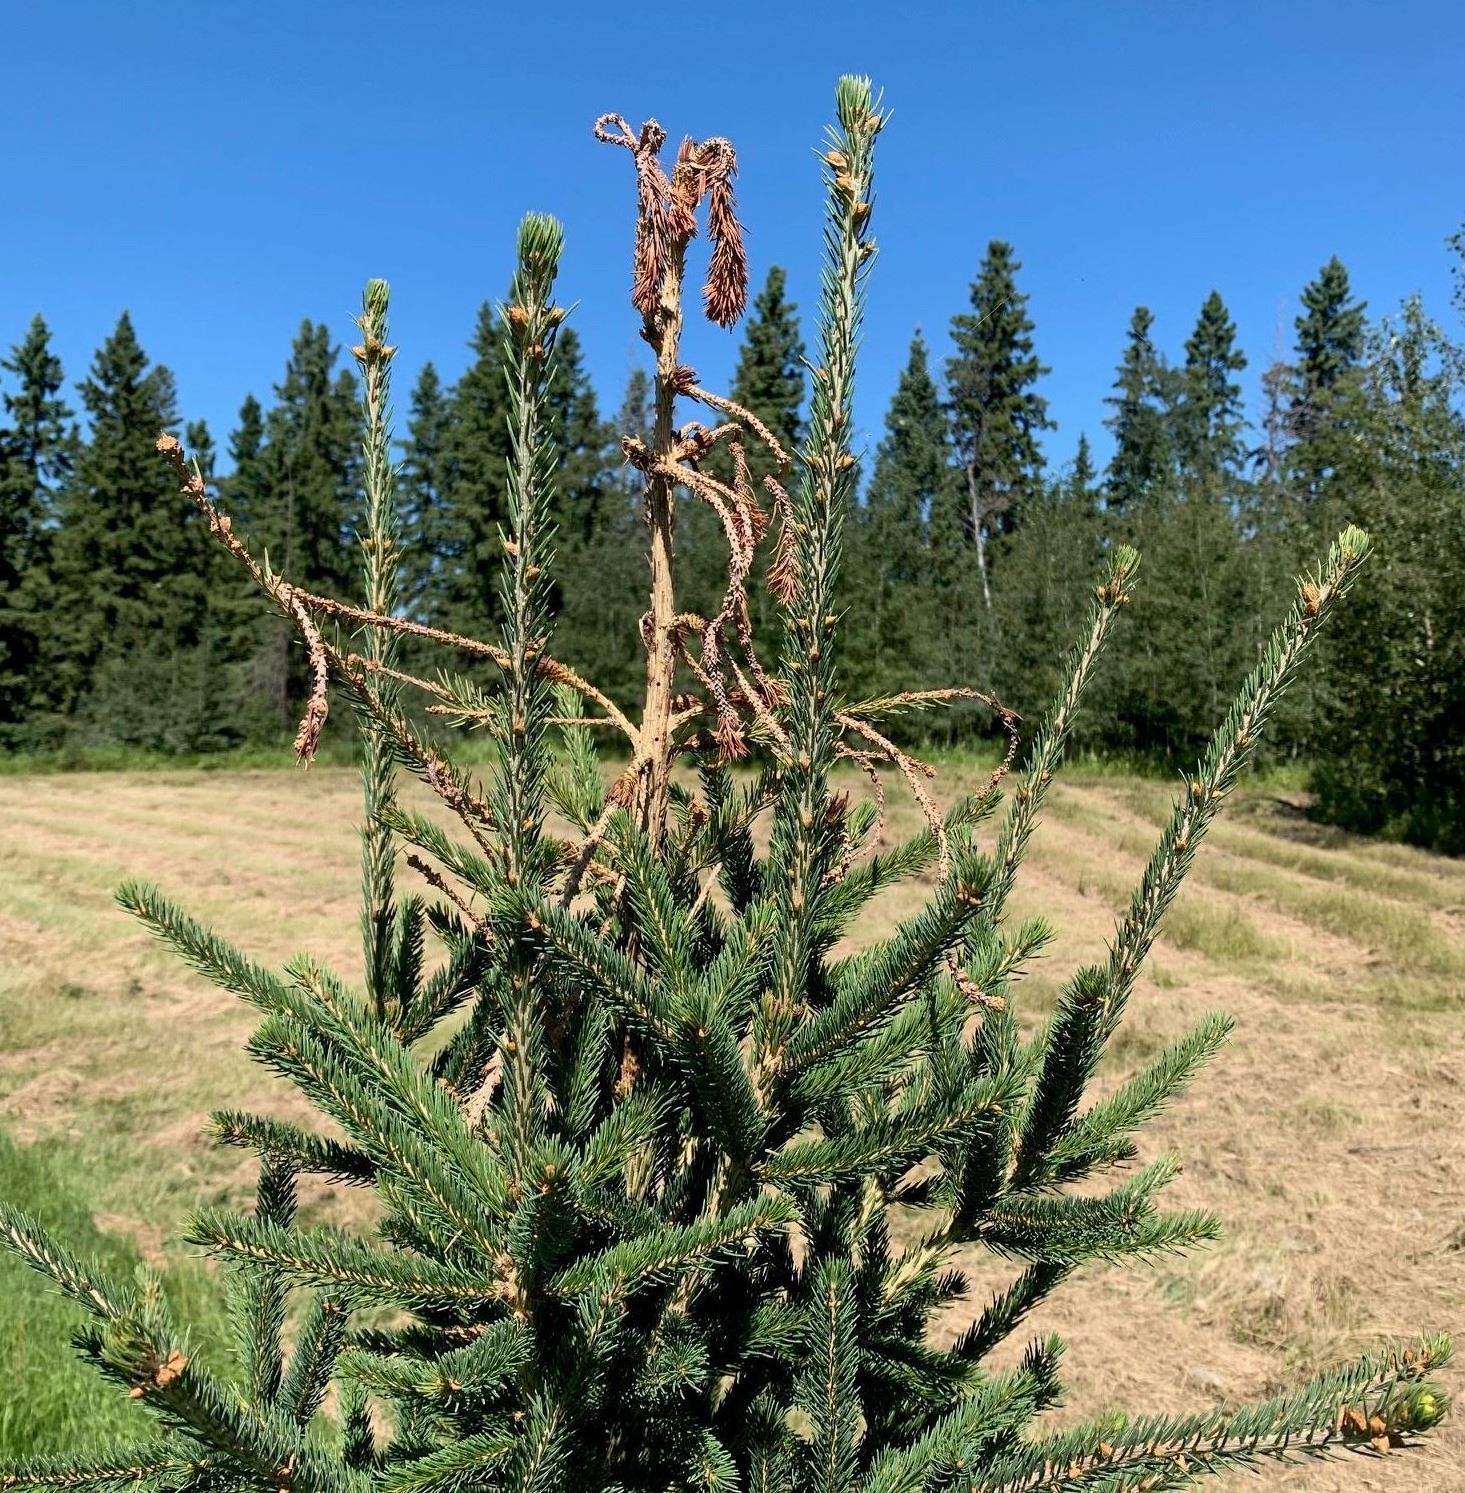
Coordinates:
663 331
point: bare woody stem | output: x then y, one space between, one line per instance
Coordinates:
666 222
663 330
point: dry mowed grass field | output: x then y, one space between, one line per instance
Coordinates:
1329 1135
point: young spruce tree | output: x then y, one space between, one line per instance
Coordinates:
640 1137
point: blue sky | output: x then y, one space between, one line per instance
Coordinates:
224 170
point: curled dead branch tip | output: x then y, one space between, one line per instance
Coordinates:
744 417
435 879
868 763
725 295
1011 723
654 191
317 709
666 218
969 987
913 771
732 745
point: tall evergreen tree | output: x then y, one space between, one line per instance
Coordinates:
306 509
242 491
37 445
1143 450
119 548
464 598
131 636
1392 756
584 486
422 483
996 414
1082 482
895 634
1210 417
769 377
1041 587
296 486
1330 339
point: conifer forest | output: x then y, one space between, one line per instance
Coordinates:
796 887
967 557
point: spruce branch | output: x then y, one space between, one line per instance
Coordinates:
379 573
1092 1004
1111 595
147 1468
668 1253
333 1260
261 1294
806 563
826 1391
1378 1403
313 1359
27 1239
253 1440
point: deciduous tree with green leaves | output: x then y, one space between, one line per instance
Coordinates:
670 1188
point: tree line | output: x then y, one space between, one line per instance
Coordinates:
968 560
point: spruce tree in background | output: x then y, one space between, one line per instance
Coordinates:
476 462
1392 755
131 579
640 1138
37 446
1330 337
898 633
1041 587
1210 417
1144 449
422 484
242 491
996 414
577 430
1175 484
602 590
768 381
307 504
635 417
1082 485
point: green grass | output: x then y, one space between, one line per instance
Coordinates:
52 1401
